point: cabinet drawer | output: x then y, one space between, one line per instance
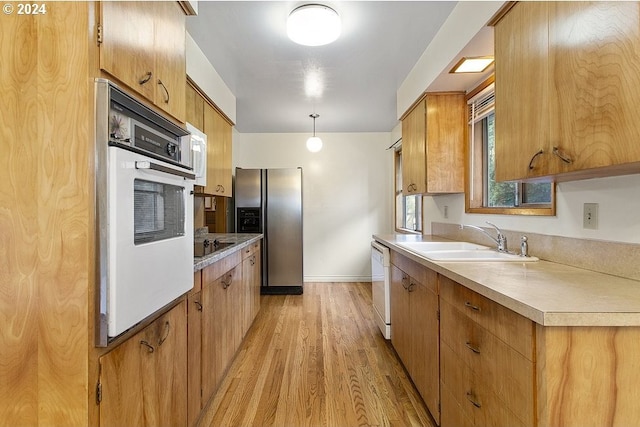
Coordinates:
217 269
499 368
505 324
249 250
472 396
418 272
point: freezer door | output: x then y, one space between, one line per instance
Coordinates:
248 188
283 218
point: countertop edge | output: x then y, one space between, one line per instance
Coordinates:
541 317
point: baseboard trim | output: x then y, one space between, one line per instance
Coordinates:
328 279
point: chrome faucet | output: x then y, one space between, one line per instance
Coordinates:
500 240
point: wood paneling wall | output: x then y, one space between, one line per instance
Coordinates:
46 215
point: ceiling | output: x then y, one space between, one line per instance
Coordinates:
351 83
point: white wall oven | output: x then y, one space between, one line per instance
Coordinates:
144 201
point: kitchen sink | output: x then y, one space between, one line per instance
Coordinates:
482 255
461 252
440 246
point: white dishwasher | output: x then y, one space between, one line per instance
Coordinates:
380 287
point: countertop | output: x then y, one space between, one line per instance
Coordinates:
239 241
548 293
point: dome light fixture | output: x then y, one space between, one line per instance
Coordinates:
314 143
313 25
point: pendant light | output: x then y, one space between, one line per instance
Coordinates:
314 143
313 25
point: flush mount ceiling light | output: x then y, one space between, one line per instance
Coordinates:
472 64
314 143
313 25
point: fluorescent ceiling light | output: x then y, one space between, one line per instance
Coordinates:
313 25
472 65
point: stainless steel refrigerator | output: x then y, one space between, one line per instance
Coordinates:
269 201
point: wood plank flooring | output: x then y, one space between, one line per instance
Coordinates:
317 359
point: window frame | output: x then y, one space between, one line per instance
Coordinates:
400 200
474 185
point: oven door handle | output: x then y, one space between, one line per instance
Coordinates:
161 168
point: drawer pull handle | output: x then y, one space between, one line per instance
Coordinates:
167 330
533 158
561 155
411 286
198 305
149 347
471 398
471 306
476 350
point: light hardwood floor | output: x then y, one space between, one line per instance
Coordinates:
317 359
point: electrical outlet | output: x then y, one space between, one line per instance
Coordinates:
590 216
446 211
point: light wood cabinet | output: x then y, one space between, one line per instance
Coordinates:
567 80
219 134
221 320
415 326
251 281
194 355
433 145
142 44
194 107
488 363
143 381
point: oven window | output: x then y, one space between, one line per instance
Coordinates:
158 211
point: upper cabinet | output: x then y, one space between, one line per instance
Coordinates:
218 129
142 44
567 80
433 145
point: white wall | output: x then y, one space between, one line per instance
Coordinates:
618 211
347 195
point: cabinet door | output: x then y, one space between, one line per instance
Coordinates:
144 380
127 51
595 86
170 58
194 357
194 107
400 326
218 152
521 91
425 359
215 324
445 141
257 283
413 151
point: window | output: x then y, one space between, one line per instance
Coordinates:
484 194
408 208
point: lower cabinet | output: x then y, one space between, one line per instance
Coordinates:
487 361
251 281
143 381
221 308
415 326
